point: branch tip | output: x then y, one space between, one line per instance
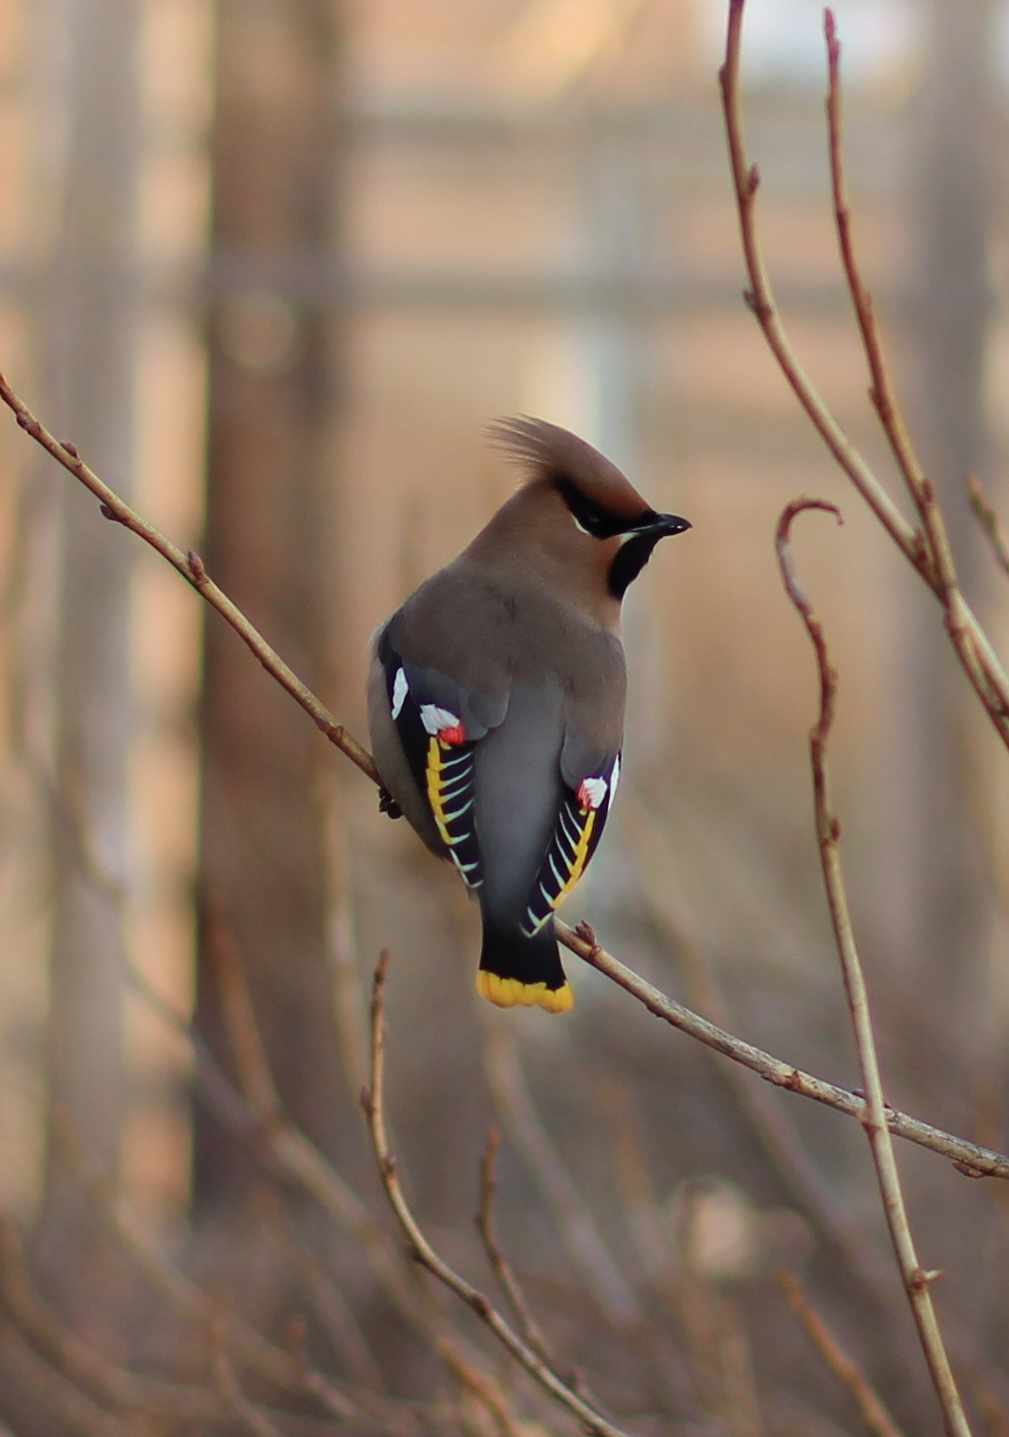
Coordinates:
381 970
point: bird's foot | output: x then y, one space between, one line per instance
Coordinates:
387 804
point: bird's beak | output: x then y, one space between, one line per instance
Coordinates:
662 526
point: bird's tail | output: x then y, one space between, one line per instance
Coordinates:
516 969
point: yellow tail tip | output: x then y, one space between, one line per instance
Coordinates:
511 993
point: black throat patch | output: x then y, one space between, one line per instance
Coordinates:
630 559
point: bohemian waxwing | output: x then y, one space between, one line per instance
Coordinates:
496 698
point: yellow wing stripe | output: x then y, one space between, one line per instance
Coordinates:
434 787
444 791
574 865
580 859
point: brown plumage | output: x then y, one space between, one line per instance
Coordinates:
496 697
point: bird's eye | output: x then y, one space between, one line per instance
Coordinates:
589 517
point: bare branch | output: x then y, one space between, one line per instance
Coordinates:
870 1405
925 548
54 1392
989 521
828 831
771 1122
598 1270
255 1077
499 1264
979 661
373 1102
82 1364
240 1339
234 1399
969 1158
293 1152
881 392
760 300
191 567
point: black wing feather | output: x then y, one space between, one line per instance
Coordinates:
578 830
442 771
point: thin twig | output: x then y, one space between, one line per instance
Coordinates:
916 1280
53 1391
881 392
925 548
111 1385
254 1114
191 567
978 659
989 521
972 1159
528 1326
351 1022
227 1384
298 1157
328 1303
760 300
486 1391
499 1264
599 1271
870 1404
373 1102
769 1121
244 1038
969 1158
241 1339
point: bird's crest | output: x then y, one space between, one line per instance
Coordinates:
557 457
546 451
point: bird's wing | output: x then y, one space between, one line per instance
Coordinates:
439 724
580 821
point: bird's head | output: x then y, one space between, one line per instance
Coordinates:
579 506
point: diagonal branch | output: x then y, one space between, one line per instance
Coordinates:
989 521
600 1273
870 1404
190 566
969 1158
500 1266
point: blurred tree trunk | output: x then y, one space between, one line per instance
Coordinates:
276 148
952 215
89 305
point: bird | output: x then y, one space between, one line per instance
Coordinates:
496 698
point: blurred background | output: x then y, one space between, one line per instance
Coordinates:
271 265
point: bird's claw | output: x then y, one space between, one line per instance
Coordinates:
387 804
